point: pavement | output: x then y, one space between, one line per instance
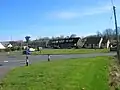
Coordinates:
7 62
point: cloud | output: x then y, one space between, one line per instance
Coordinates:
66 15
77 13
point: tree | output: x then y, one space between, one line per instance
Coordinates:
53 37
67 37
99 34
108 33
114 33
61 36
73 35
46 38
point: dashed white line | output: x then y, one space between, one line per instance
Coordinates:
6 61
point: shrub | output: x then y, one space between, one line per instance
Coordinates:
7 50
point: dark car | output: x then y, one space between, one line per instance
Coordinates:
113 48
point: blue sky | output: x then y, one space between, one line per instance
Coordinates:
40 18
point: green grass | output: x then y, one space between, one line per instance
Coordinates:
72 74
70 51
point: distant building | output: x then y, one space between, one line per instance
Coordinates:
9 46
66 43
2 47
17 43
5 43
105 43
92 42
39 43
96 42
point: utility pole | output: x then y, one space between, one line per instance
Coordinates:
11 38
21 44
117 34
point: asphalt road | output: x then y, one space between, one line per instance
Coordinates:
8 62
19 60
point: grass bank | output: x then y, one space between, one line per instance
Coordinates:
71 74
70 51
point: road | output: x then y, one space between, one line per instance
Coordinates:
19 60
11 61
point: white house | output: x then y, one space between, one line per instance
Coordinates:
9 46
2 47
96 42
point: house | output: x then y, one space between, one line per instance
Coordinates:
16 43
9 46
105 43
96 42
5 43
2 47
66 43
39 43
92 42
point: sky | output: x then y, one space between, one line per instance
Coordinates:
47 18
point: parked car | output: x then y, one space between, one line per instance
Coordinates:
113 48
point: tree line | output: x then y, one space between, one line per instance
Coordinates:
42 42
108 33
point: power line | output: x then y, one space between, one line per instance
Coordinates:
111 15
110 18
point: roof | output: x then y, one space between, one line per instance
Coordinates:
1 46
65 40
5 43
9 46
104 40
92 40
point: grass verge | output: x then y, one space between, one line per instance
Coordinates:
70 51
114 74
71 74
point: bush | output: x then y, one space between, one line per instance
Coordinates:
1 50
22 48
13 49
38 49
7 50
18 48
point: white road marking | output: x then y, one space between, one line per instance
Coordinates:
6 61
14 61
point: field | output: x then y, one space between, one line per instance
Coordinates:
70 51
68 74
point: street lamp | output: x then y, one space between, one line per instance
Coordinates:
27 41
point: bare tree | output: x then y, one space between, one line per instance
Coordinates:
67 37
61 36
108 33
53 37
73 35
99 34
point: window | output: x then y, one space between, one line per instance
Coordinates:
70 40
66 40
61 41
